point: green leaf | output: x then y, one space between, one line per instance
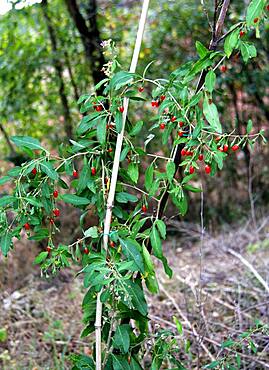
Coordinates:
87 123
248 51
254 10
211 114
137 297
133 172
147 259
27 142
6 241
149 177
195 99
75 200
5 179
41 257
192 189
156 242
6 200
210 80
101 130
178 325
123 197
201 49
118 120
249 126
33 202
170 170
161 227
83 178
92 232
121 338
132 250
121 79
231 42
135 365
136 129
213 365
120 363
124 153
48 169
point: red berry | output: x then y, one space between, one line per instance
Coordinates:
121 109
106 180
162 97
267 7
189 153
162 126
220 149
223 69
110 150
93 171
51 221
141 89
144 208
173 119
191 170
86 250
235 147
183 152
242 33
180 133
112 244
225 148
27 226
200 157
55 194
256 20
56 212
181 123
48 249
34 171
218 138
99 108
154 103
75 174
207 169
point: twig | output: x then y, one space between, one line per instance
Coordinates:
250 267
184 317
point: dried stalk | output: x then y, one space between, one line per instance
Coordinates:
114 177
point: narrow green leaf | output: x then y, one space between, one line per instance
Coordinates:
6 241
156 242
48 169
170 170
101 130
75 200
121 338
149 177
133 171
212 115
210 80
27 142
161 227
40 258
132 250
136 129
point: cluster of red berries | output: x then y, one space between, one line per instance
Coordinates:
225 148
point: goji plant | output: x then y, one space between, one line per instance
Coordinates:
187 117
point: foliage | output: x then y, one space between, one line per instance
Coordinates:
187 117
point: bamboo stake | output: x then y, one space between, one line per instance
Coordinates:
114 177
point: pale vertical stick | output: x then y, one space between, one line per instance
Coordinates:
114 177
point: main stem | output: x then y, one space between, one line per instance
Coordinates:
114 177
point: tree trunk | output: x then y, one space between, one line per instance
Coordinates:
59 71
72 79
9 143
90 36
